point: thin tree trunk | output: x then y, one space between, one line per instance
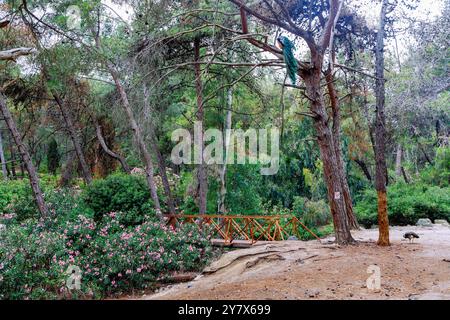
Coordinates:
328 156
227 137
13 160
74 137
380 134
108 151
398 161
34 180
202 175
2 158
159 157
336 129
427 158
364 169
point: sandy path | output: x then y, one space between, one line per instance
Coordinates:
309 270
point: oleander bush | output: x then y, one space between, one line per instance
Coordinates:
113 258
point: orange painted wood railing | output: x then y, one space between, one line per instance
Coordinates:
252 228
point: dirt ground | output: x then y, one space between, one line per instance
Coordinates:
313 270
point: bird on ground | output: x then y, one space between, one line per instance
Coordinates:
411 236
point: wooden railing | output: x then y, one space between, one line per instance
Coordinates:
242 227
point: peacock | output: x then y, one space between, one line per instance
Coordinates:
288 52
411 236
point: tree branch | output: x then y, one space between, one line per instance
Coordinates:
13 54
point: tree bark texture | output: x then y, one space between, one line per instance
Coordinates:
336 130
328 155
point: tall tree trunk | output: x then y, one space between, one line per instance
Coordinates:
328 155
159 157
74 137
108 151
336 129
380 133
202 174
67 170
227 137
2 158
34 180
398 161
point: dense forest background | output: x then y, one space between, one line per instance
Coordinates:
92 97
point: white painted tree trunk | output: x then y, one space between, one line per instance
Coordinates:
398 161
227 138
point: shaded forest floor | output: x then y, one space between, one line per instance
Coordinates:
310 270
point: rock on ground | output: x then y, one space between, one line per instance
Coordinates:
424 223
441 222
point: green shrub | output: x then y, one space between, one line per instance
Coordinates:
16 192
188 206
312 213
406 204
439 174
17 198
119 192
113 258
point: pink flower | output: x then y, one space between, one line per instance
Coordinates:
138 270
